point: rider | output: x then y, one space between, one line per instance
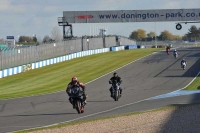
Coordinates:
175 52
168 48
75 82
119 81
183 61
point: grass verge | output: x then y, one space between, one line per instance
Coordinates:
195 85
55 77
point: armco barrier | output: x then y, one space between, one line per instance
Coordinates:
24 68
117 48
130 47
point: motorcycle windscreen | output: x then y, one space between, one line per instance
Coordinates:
75 90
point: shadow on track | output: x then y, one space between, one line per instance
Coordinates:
99 101
170 65
192 71
184 119
41 114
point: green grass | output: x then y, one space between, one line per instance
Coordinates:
56 77
195 84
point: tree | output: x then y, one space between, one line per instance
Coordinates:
177 37
23 39
55 34
138 35
2 41
47 39
39 39
166 35
193 33
151 34
35 39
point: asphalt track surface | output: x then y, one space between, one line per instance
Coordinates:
153 75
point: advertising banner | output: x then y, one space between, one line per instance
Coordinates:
131 16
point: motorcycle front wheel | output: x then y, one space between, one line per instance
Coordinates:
78 106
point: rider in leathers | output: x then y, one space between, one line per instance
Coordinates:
119 81
77 83
183 61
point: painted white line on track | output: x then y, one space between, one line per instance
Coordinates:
85 83
105 110
153 98
86 115
109 109
97 112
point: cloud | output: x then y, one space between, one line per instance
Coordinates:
51 9
179 4
6 6
111 4
172 4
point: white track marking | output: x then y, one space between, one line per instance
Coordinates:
178 89
112 108
105 110
86 115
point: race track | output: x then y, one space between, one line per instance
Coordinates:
148 77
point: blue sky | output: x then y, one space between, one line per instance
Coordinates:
28 17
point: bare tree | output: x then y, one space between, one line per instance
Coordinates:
39 39
56 34
47 39
2 41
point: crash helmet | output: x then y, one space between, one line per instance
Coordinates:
115 74
74 79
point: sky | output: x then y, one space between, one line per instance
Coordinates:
39 17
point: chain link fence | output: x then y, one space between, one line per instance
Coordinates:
175 44
22 55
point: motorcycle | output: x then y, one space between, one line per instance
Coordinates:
183 65
175 55
77 97
168 50
116 91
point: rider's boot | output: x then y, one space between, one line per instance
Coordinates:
120 93
84 99
111 92
71 101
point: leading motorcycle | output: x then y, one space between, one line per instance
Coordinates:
77 99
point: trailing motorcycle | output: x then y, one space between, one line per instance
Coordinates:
175 55
77 96
183 65
116 91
